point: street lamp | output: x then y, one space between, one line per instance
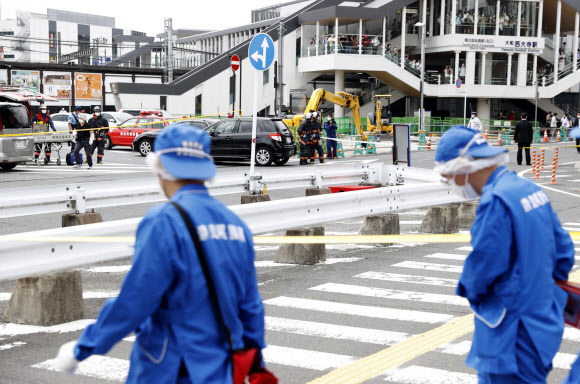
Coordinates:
422 86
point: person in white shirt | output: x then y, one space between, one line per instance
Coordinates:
565 123
475 123
462 71
554 124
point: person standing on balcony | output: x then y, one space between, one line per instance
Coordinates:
375 42
331 43
462 72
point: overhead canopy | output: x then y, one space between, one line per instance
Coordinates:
372 10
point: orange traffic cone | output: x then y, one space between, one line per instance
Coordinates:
485 134
499 141
429 142
545 136
558 137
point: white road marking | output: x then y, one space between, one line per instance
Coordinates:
446 256
109 269
336 260
333 331
5 296
4 347
429 266
411 222
100 294
571 229
101 367
458 349
302 358
10 329
269 264
422 375
414 213
466 248
575 224
359 310
392 294
411 279
564 360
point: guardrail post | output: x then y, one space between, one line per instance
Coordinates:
79 200
255 194
317 186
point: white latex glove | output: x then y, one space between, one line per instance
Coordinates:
65 359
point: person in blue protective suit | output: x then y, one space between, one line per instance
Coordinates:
509 277
165 297
331 145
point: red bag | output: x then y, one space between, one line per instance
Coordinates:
572 310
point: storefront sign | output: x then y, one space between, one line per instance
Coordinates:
507 44
57 84
26 79
88 86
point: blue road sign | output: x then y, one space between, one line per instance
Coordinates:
458 83
261 52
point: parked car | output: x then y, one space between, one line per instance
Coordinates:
126 132
137 111
144 142
60 120
15 119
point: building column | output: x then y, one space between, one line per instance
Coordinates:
403 36
360 36
522 79
476 17
384 35
497 14
519 23
484 109
489 66
338 87
575 43
336 42
470 67
431 18
301 40
557 39
453 16
509 69
482 65
317 37
535 70
540 18
456 73
442 20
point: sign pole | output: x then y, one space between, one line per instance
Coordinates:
254 126
464 106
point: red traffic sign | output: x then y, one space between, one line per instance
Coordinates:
235 62
458 83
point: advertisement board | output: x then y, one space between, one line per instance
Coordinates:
57 84
3 77
26 79
88 86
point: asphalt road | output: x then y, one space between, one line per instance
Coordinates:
319 318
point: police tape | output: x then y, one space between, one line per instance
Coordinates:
359 141
262 240
117 126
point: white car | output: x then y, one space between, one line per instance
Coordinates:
60 120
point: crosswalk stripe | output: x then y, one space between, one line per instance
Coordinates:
424 375
303 358
411 279
572 334
429 266
11 329
410 222
446 256
564 360
466 248
86 295
359 310
576 224
101 367
333 331
391 294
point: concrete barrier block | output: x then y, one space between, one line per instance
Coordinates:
249 199
72 219
317 191
376 185
441 219
306 254
381 225
467 214
47 300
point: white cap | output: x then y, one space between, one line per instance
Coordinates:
308 115
315 114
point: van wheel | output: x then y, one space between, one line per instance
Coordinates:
108 142
281 161
7 167
263 156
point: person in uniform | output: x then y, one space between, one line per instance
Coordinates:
316 140
100 127
83 137
165 297
475 123
331 145
524 135
509 277
305 138
43 118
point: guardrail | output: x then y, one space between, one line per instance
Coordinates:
16 202
51 250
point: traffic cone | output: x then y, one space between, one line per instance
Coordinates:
499 141
542 161
553 182
485 134
429 142
558 136
545 140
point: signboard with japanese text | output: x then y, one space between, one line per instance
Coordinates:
507 44
88 86
57 84
26 79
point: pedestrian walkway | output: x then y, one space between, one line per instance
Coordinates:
351 308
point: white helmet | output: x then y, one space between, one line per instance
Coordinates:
308 115
315 115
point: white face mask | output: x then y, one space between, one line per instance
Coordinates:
43 111
81 120
97 114
466 191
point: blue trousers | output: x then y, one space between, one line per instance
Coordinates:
531 370
331 148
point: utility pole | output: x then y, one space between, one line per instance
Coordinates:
280 69
169 40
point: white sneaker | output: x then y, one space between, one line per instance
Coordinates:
77 166
90 167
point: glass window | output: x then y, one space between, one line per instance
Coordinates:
508 18
266 76
157 123
225 128
529 19
143 125
14 117
465 18
267 126
487 13
232 88
59 118
132 121
198 101
245 127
